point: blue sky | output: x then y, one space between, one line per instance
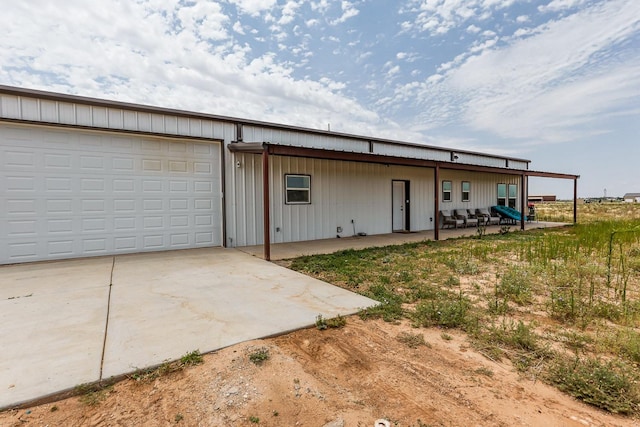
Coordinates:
553 81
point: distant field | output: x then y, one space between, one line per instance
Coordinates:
587 212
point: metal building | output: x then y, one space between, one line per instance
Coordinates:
87 177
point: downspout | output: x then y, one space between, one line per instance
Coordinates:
436 203
266 203
223 184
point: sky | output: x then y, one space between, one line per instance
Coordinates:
553 81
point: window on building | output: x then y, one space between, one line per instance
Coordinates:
513 195
502 194
446 191
297 189
466 191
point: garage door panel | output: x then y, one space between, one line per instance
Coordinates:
95 194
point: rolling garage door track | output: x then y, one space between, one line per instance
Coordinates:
66 323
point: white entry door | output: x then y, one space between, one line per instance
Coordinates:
69 193
399 206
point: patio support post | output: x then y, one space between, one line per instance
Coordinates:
523 202
436 203
575 200
266 203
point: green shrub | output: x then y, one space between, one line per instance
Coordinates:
259 356
447 311
607 385
515 285
390 307
335 322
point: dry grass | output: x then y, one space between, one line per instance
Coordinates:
540 299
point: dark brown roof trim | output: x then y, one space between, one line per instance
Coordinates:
59 97
283 150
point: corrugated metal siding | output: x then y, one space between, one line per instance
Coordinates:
302 139
516 164
484 188
56 112
342 191
411 152
329 142
475 159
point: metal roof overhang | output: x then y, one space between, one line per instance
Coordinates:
316 153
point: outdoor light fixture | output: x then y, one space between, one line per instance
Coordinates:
454 156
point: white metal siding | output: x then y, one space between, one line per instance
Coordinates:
362 145
69 193
340 191
58 112
412 152
303 139
484 188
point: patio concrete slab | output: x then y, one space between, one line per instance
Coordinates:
280 251
167 304
159 306
52 325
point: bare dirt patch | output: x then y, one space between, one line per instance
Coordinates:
350 376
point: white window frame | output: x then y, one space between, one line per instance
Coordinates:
468 198
449 192
287 189
515 196
506 194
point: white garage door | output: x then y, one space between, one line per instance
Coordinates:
72 193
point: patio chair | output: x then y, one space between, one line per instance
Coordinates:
449 220
487 216
464 215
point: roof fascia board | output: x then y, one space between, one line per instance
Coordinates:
283 150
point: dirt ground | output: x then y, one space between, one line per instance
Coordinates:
351 376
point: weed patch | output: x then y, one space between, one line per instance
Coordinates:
149 374
447 311
607 385
93 394
259 356
412 340
335 322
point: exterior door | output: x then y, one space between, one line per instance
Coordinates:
400 205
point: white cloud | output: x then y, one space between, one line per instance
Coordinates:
473 29
289 12
253 7
522 19
539 88
348 11
149 52
557 5
237 27
438 17
393 71
536 88
521 32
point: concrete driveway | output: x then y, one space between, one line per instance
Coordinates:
66 323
